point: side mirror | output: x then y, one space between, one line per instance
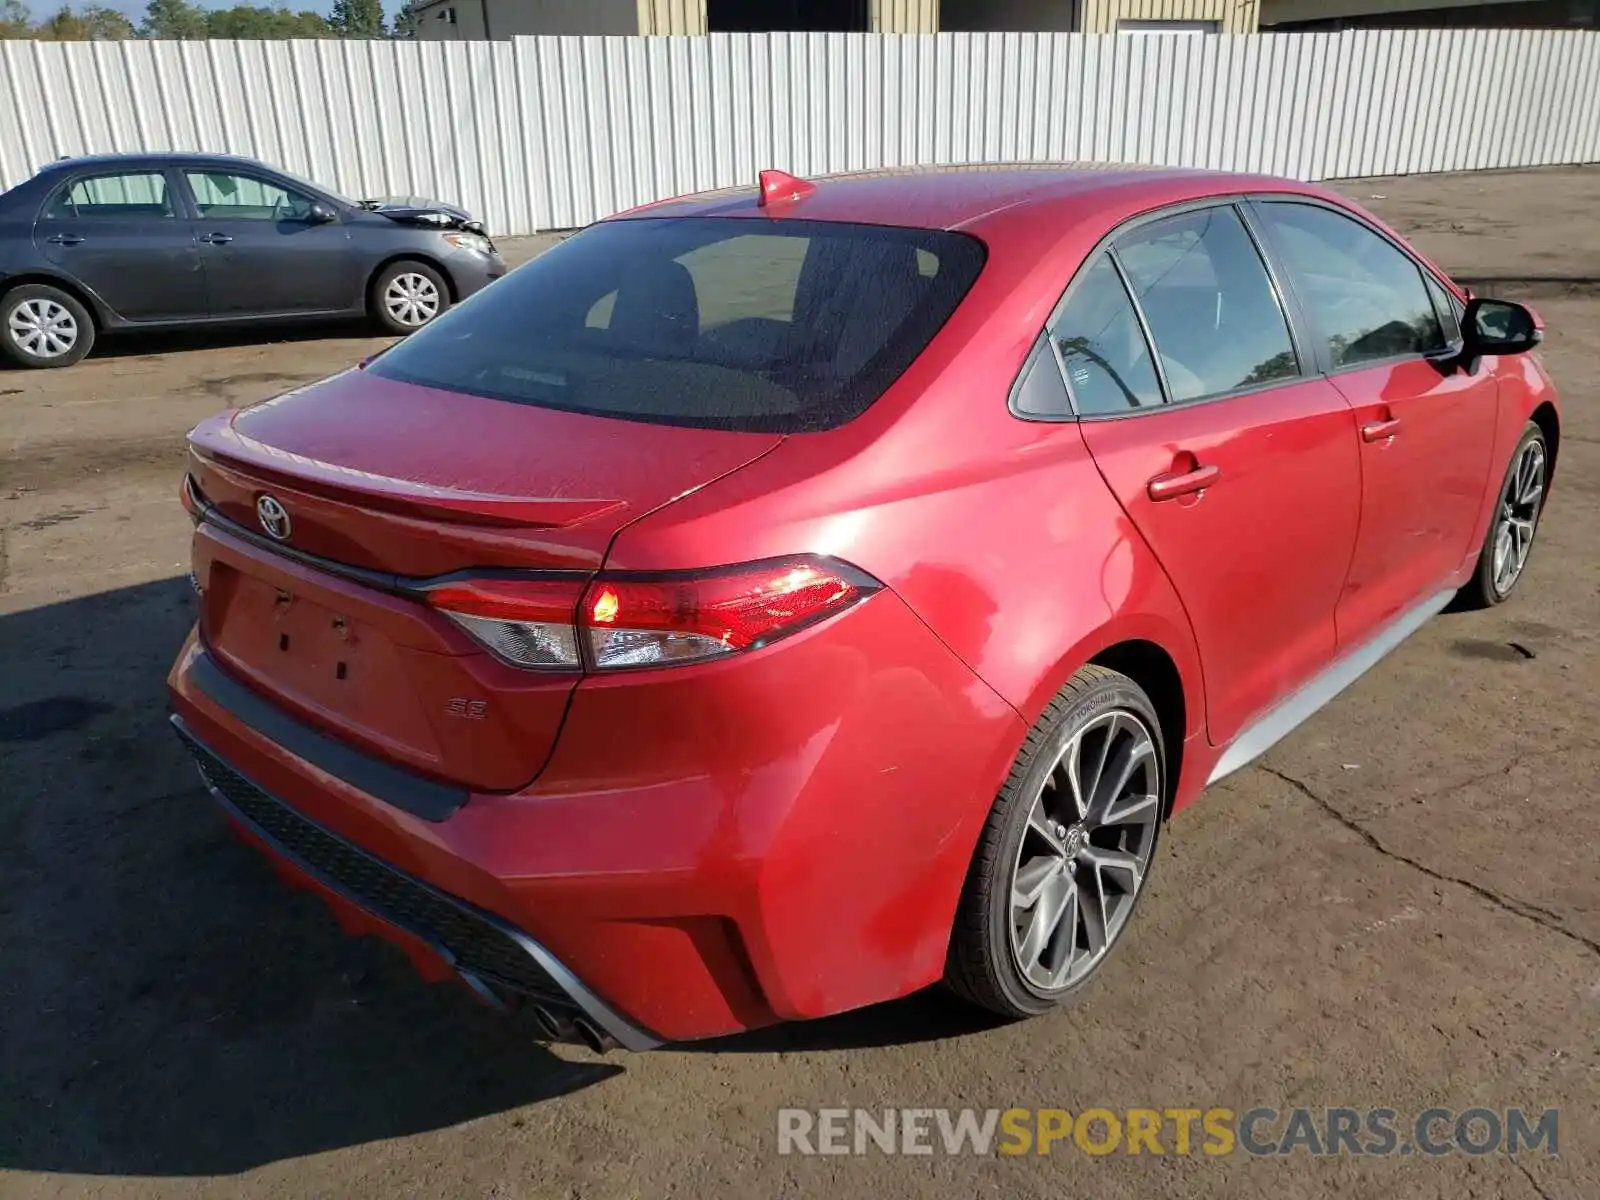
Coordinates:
1497 327
1500 327
321 214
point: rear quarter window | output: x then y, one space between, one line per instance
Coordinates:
783 326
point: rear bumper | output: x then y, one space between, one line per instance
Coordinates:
491 956
710 849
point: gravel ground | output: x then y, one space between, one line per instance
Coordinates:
1400 906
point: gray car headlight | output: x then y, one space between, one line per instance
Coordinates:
475 242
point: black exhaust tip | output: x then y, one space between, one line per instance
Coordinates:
548 1023
593 1037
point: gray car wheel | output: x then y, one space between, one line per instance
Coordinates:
407 295
43 326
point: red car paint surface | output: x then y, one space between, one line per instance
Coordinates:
784 832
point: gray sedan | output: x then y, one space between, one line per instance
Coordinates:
158 241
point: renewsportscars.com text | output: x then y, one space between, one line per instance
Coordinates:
1434 1132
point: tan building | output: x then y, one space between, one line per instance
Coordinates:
477 19
1099 16
1313 15
469 19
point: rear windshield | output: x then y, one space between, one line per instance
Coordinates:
736 324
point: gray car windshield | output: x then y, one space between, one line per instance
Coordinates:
738 324
318 188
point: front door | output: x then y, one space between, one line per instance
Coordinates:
262 252
1424 427
121 234
1236 465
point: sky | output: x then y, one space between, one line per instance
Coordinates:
135 8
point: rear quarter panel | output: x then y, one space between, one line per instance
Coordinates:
20 259
1021 567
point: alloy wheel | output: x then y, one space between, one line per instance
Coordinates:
1086 850
411 299
43 328
1518 516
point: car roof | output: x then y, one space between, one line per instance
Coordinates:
150 158
969 196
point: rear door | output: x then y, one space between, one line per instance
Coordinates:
1234 460
127 239
261 251
1425 428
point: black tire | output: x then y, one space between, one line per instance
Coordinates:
382 301
1489 585
983 965
35 318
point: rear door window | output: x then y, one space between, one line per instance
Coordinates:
116 195
776 326
1210 305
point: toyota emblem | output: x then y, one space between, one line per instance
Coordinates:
274 518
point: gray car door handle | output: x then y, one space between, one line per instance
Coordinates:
65 239
217 239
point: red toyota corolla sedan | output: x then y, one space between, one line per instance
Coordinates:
774 601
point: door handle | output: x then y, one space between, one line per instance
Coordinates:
216 239
1183 483
1380 431
65 239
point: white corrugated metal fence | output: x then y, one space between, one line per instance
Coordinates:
546 133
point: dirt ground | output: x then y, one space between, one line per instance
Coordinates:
1400 906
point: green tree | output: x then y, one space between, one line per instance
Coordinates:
265 24
173 19
92 24
14 22
405 21
357 18
304 24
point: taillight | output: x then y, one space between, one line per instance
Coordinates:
190 496
633 620
644 620
527 622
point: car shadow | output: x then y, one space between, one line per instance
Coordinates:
130 343
144 343
931 1015
167 1008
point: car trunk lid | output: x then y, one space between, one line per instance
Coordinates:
382 485
415 481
